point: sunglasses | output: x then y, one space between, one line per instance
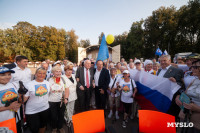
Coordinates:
194 67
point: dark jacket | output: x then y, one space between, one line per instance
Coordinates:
104 79
80 75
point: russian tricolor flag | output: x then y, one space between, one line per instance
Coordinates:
155 93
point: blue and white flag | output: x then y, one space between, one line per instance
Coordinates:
165 52
158 52
156 91
103 53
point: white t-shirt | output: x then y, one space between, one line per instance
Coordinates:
21 75
56 90
8 93
127 91
38 93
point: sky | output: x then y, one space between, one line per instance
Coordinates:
87 17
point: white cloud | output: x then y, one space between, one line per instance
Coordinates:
6 25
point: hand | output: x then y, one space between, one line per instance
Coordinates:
93 85
135 91
15 106
178 102
101 91
172 79
188 106
81 87
117 83
113 90
65 101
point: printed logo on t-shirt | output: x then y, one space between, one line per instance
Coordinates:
126 88
8 96
40 90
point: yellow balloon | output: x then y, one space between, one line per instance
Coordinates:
110 39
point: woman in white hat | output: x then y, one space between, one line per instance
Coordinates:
128 90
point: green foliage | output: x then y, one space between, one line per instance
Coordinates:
167 28
37 43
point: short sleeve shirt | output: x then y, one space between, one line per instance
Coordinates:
38 93
127 91
8 94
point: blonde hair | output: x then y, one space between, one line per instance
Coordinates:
68 67
56 68
40 69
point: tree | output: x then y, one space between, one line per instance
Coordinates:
85 43
135 41
100 37
160 30
72 46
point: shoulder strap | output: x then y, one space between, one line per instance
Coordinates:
63 80
190 85
132 84
114 83
15 86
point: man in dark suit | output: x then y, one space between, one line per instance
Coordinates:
102 80
85 79
174 75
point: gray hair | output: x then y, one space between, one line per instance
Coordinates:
166 56
86 61
122 67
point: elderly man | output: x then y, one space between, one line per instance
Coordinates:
84 77
175 75
45 66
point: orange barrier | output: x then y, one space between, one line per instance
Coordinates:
89 122
10 124
155 122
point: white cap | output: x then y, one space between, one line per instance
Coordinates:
146 62
137 61
126 71
57 62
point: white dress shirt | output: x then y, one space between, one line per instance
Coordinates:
96 77
163 71
21 75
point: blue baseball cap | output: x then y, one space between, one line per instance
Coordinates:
5 69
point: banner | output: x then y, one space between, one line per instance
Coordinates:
156 90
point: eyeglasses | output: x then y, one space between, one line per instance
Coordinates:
194 67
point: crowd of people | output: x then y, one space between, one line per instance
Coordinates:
51 93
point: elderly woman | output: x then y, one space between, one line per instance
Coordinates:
128 88
37 105
148 66
193 91
156 66
9 97
71 83
57 95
